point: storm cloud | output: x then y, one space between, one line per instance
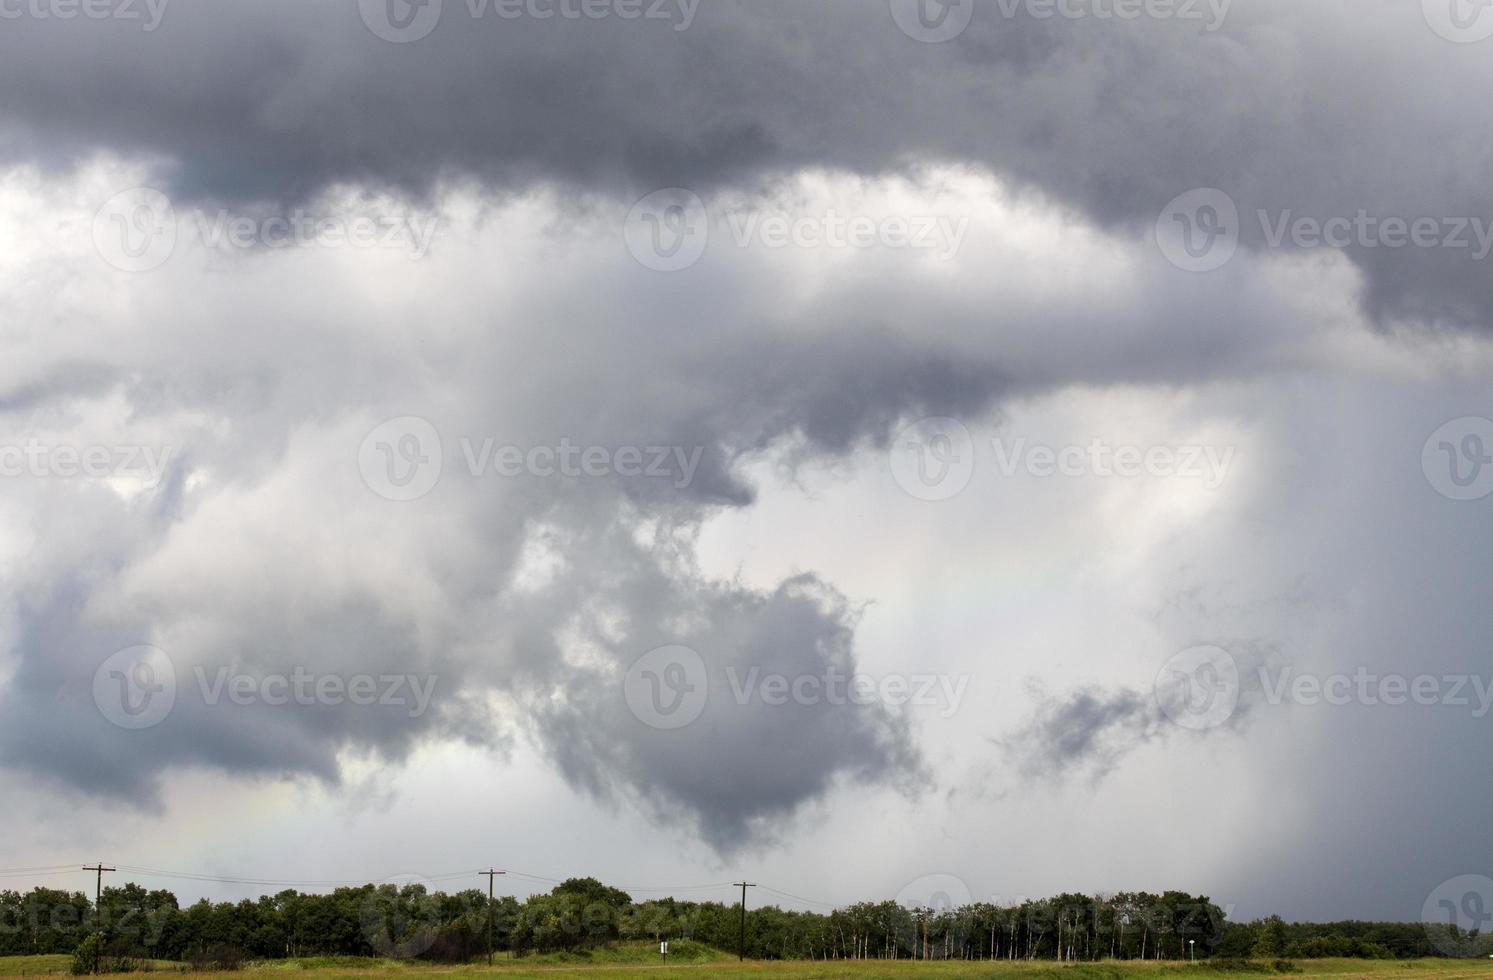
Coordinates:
1112 116
362 448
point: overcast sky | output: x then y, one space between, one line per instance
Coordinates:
838 443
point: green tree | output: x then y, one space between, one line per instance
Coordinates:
1273 938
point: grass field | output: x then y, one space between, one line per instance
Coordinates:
638 962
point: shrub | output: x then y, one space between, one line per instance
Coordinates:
1236 964
1337 945
91 953
217 958
86 956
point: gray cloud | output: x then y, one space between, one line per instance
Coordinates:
264 550
279 100
742 767
1089 731
528 599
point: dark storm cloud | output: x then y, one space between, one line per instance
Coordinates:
278 100
53 727
745 764
271 554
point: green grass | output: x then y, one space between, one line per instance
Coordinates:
330 964
682 952
30 966
639 961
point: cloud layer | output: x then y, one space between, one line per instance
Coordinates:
1113 117
284 387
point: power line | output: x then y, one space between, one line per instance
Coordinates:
630 887
288 882
799 898
39 872
232 879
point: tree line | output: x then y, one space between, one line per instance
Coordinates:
411 922
1274 937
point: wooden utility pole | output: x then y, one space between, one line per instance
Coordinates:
492 874
743 885
98 897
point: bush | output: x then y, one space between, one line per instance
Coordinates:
92 953
1236 964
1285 966
217 958
1338 946
86 956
